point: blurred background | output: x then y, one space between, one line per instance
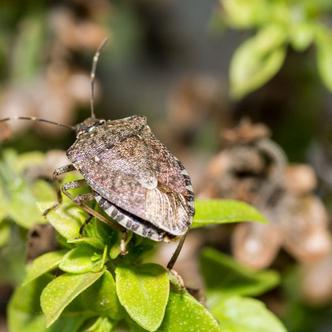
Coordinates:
240 92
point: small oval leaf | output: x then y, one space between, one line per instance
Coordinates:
101 297
324 57
91 241
80 260
62 291
185 314
223 275
302 35
24 313
224 211
4 232
43 264
244 14
257 60
67 219
19 191
238 314
101 324
143 291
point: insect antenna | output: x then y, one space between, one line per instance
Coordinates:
32 118
93 75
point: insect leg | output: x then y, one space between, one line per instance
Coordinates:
125 238
176 253
74 185
64 169
56 183
86 222
82 199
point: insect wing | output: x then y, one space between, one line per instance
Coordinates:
137 174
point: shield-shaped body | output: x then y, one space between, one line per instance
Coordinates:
135 179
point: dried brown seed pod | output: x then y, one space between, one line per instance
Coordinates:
299 179
256 245
17 100
306 234
317 281
246 132
76 33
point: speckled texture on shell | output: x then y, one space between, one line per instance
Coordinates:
125 164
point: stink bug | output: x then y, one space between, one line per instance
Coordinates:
132 175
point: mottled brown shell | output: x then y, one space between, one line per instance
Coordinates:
124 163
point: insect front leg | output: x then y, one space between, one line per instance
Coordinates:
56 183
79 199
125 238
177 278
176 253
86 222
82 199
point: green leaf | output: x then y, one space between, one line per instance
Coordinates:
143 291
80 260
26 56
3 206
97 229
43 264
324 56
29 159
25 315
185 314
91 241
244 14
43 191
102 299
4 232
69 323
17 192
63 290
238 314
101 324
223 275
13 258
302 35
66 219
224 211
96 234
22 207
24 312
257 60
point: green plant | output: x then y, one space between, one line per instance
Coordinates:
278 25
88 285
18 210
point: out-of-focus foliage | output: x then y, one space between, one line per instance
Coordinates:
18 191
278 25
238 314
227 296
237 279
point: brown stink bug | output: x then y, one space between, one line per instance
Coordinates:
132 175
